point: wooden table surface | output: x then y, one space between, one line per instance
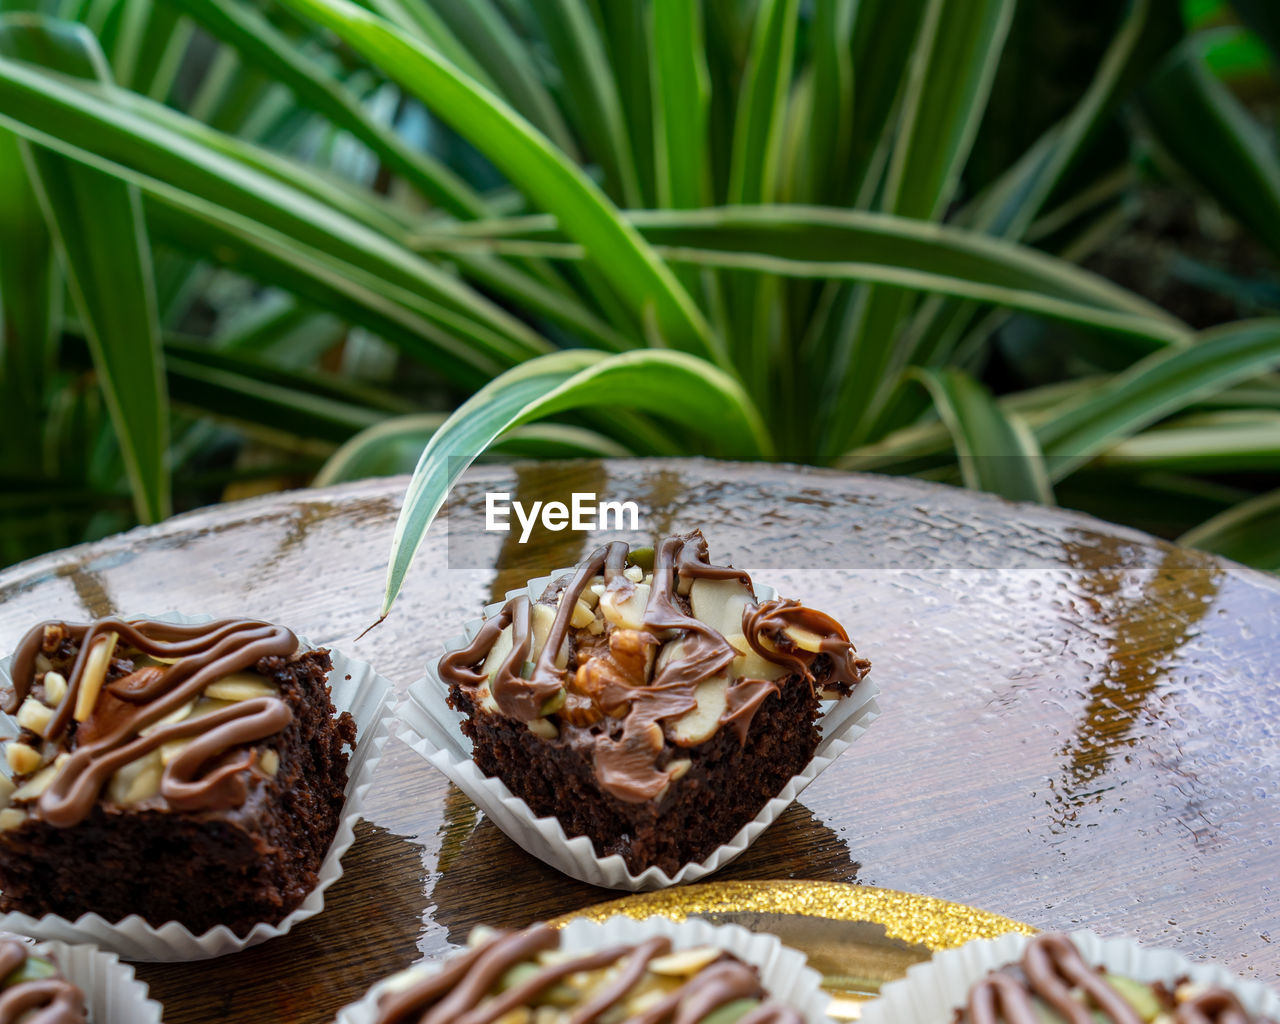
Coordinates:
1081 723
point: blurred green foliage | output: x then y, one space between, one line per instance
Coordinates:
866 233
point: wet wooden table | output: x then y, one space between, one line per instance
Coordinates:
1081 724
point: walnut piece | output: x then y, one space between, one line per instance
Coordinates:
608 678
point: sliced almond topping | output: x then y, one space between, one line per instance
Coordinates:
240 686
11 818
94 674
269 762
176 715
137 780
805 639
22 758
34 716
685 962
37 784
55 687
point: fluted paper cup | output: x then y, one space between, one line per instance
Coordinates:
433 729
783 971
932 991
112 992
355 687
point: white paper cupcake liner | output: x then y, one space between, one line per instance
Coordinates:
931 991
783 971
367 696
433 729
113 994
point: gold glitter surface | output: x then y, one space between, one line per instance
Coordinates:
917 920
856 936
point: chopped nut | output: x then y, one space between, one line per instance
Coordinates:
608 678
54 634
11 818
580 710
240 686
634 573
55 687
94 674
38 783
22 758
7 786
137 681
34 716
625 609
544 728
582 616
595 627
679 769
43 664
269 762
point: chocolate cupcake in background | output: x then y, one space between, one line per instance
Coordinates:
621 969
639 719
53 983
184 777
1053 978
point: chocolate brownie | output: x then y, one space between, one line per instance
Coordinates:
190 773
648 701
525 976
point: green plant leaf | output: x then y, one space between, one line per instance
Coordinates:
1248 533
188 175
591 93
828 143
1156 387
681 103
534 165
1214 139
274 54
821 242
1221 442
996 451
96 223
395 445
1264 18
30 308
884 38
952 68
497 46
679 387
762 104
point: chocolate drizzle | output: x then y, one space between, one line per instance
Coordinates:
631 762
125 722
1053 971
463 990
48 1000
